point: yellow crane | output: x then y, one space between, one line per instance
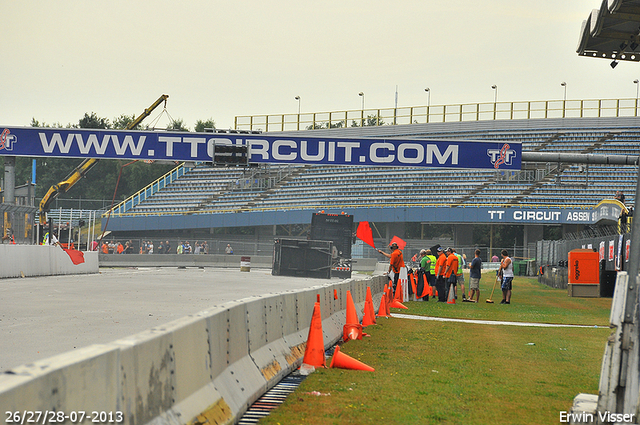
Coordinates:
86 165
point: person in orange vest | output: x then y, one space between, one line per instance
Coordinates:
105 248
450 271
441 286
396 262
120 248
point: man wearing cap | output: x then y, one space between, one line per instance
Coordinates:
441 287
396 262
450 271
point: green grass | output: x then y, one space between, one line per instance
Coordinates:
456 373
530 302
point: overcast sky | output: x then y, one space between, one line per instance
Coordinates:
221 59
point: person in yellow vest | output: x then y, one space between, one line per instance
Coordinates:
431 275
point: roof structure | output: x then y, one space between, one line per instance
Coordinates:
612 32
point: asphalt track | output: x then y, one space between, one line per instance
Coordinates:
44 316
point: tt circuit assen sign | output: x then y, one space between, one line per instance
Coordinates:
539 216
263 148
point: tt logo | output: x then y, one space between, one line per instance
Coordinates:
501 156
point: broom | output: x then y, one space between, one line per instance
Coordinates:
490 300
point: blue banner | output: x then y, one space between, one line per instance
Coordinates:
263 148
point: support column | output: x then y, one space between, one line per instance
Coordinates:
9 192
532 234
9 180
462 236
395 229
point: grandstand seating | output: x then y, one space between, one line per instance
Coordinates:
218 190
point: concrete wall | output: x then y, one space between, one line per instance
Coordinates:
41 260
180 260
205 367
185 260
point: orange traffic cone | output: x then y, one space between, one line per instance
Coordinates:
383 310
398 295
314 351
366 318
352 315
397 304
343 361
452 295
369 317
352 331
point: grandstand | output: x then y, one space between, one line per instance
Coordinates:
213 191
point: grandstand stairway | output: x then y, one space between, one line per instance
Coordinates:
547 142
529 190
286 179
474 192
601 141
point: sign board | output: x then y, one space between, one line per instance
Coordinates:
263 148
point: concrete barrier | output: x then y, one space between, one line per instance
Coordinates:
42 260
205 260
207 367
180 260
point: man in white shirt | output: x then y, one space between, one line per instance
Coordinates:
506 267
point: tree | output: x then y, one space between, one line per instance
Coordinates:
201 125
369 121
123 121
93 121
322 125
177 125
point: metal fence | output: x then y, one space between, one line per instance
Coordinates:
441 113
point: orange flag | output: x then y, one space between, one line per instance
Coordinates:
365 234
77 257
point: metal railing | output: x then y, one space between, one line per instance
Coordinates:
441 113
150 189
345 207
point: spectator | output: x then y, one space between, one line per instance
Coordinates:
167 247
150 247
495 259
506 267
161 248
187 248
475 273
228 249
197 249
180 248
205 247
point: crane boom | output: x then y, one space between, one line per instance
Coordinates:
86 165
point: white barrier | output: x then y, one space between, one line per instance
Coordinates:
206 367
42 260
